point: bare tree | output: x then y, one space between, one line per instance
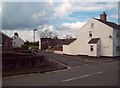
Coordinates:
48 34
69 37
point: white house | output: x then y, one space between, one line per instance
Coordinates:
17 41
98 37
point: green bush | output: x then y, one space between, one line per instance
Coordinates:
25 46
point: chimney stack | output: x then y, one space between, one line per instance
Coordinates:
103 16
16 34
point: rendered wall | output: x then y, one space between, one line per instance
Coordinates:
18 41
81 47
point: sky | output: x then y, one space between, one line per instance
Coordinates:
63 18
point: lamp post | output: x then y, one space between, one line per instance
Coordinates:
34 34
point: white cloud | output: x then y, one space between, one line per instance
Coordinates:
69 29
24 34
94 6
63 9
34 14
0 7
73 26
27 34
60 0
66 8
114 16
39 14
46 27
50 1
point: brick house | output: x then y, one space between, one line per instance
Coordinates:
54 44
5 41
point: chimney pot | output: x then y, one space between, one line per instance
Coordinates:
16 34
103 16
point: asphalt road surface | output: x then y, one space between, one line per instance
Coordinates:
71 61
80 73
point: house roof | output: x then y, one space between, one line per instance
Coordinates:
111 24
1 33
65 41
93 40
59 42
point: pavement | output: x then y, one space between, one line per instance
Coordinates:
81 71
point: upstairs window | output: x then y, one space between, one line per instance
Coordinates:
92 25
90 33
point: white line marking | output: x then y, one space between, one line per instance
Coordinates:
68 67
82 76
57 71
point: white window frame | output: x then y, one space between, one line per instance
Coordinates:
91 48
90 34
92 25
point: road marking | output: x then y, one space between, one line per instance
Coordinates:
57 71
68 67
71 79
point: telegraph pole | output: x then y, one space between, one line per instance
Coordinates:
34 34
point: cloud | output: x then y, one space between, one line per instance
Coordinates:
63 30
119 13
73 26
18 15
54 16
51 1
69 29
94 6
0 15
66 8
22 34
114 16
63 9
39 14
0 7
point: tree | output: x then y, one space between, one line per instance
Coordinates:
26 42
69 37
48 34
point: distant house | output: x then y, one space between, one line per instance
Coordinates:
17 41
98 37
5 41
53 44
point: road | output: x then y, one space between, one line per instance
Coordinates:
79 74
70 61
